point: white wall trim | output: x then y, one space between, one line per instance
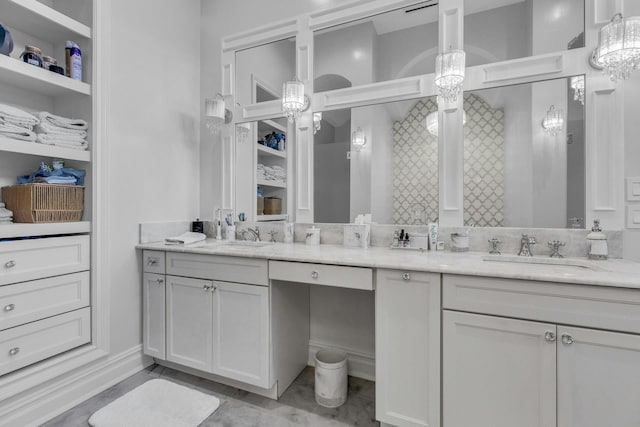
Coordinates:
360 364
64 393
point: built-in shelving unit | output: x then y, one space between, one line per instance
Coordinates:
19 230
25 147
272 157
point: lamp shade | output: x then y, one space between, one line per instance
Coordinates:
293 101
618 50
358 139
450 67
553 121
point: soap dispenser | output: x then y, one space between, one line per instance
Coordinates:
598 242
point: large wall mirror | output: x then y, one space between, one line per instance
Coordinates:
392 45
499 30
524 155
394 176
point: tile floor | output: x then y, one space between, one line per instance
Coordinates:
238 408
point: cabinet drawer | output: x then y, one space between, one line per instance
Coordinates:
599 307
213 267
30 343
153 262
24 260
321 274
30 301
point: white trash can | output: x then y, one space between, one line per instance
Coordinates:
331 378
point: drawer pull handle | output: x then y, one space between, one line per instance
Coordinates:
550 336
567 339
9 307
406 276
14 351
314 274
10 264
160 281
206 288
152 261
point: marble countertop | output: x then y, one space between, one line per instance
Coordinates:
614 272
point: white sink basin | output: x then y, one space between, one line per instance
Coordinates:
245 244
561 264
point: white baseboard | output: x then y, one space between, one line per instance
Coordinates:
360 364
57 396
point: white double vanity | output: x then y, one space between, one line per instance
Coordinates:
460 340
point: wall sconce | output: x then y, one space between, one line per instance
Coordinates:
450 74
216 114
358 139
577 84
553 121
432 122
294 101
242 131
618 51
317 122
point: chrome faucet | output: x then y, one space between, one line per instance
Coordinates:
525 245
555 246
255 232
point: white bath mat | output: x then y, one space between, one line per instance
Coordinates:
157 403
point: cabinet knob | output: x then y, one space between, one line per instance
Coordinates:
314 274
160 281
567 339
14 351
10 264
406 276
206 288
9 307
550 336
152 261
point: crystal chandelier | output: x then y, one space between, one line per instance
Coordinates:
553 121
214 112
577 84
450 74
432 122
618 50
317 122
242 131
358 139
294 101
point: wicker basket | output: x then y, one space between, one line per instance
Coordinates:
36 203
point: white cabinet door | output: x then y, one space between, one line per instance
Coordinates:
153 315
241 333
189 322
408 348
498 372
598 378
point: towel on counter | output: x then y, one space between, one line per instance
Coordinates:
185 239
50 129
5 214
62 122
62 180
17 132
62 141
18 117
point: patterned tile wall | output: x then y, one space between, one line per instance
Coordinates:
415 165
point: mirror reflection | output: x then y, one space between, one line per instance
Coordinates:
393 176
392 45
524 155
261 70
499 30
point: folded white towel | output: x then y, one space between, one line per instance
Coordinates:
17 116
56 137
185 239
17 132
62 142
62 122
50 129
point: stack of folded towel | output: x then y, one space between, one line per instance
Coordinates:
271 173
63 132
6 216
17 124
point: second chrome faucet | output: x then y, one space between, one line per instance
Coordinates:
525 245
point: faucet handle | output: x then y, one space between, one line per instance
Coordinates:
555 248
273 234
494 246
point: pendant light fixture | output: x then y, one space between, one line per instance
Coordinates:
553 121
577 84
358 139
317 122
294 101
216 114
618 51
450 67
432 122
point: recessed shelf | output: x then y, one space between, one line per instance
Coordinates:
271 152
39 20
275 125
26 76
46 229
265 218
276 184
34 148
